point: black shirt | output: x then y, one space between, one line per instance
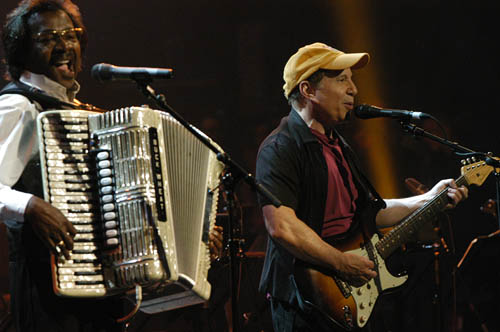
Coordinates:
291 165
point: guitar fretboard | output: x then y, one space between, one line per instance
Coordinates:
405 230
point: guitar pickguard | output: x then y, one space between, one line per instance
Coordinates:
366 295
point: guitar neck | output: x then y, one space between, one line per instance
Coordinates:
405 230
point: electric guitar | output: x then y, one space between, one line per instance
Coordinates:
336 303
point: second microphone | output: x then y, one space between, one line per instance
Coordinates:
107 72
369 112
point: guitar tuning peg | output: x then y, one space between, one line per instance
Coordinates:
468 160
474 159
463 162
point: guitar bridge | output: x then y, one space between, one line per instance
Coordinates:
343 286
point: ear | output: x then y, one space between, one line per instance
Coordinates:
307 90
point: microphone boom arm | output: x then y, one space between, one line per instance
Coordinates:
410 128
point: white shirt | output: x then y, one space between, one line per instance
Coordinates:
19 142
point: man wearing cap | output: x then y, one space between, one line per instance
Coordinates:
307 165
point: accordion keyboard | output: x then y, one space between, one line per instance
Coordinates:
71 176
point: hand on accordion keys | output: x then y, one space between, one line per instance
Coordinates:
50 225
215 242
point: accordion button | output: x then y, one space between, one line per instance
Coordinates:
107 190
106 181
111 233
108 207
107 198
105 172
109 216
104 164
110 224
112 242
103 155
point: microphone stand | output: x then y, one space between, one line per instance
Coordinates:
233 175
469 154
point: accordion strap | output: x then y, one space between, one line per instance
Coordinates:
46 101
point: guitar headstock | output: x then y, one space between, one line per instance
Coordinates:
477 172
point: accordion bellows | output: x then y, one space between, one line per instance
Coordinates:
142 192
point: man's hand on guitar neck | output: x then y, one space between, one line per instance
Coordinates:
455 194
399 208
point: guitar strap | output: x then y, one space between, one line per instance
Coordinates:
369 201
353 162
372 200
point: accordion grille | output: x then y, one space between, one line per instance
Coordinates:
186 173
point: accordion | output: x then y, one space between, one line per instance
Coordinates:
142 193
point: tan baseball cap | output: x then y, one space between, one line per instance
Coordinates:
310 58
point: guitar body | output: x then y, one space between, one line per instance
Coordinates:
334 301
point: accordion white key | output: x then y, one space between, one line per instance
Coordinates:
142 193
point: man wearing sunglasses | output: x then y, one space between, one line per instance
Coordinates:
43 42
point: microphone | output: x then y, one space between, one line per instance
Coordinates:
105 72
370 112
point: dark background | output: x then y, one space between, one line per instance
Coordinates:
439 57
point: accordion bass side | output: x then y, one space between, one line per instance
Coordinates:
142 193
